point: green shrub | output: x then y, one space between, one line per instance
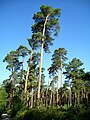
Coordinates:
72 113
16 106
20 114
40 114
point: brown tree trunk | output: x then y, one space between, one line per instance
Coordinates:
11 90
57 94
41 57
40 72
75 98
87 97
51 98
70 97
21 76
27 74
61 79
11 93
32 98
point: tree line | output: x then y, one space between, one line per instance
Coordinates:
28 86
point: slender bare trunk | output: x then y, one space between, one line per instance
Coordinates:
57 94
11 90
40 72
41 58
75 98
61 82
51 98
87 97
61 75
70 97
27 74
21 76
53 95
11 93
46 97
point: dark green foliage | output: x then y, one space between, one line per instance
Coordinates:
51 26
17 105
58 60
41 114
3 99
12 61
73 69
22 51
71 113
34 41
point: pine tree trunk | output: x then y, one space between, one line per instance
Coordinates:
87 97
53 95
61 81
27 74
41 58
57 94
75 98
46 98
11 93
70 97
61 74
40 72
51 98
11 90
21 76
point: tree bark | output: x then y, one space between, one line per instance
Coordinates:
70 96
11 93
61 74
51 98
32 98
87 96
57 94
75 98
21 76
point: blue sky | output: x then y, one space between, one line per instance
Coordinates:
16 21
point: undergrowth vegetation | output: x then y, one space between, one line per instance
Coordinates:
81 112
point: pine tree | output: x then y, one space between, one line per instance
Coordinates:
13 65
46 23
58 62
